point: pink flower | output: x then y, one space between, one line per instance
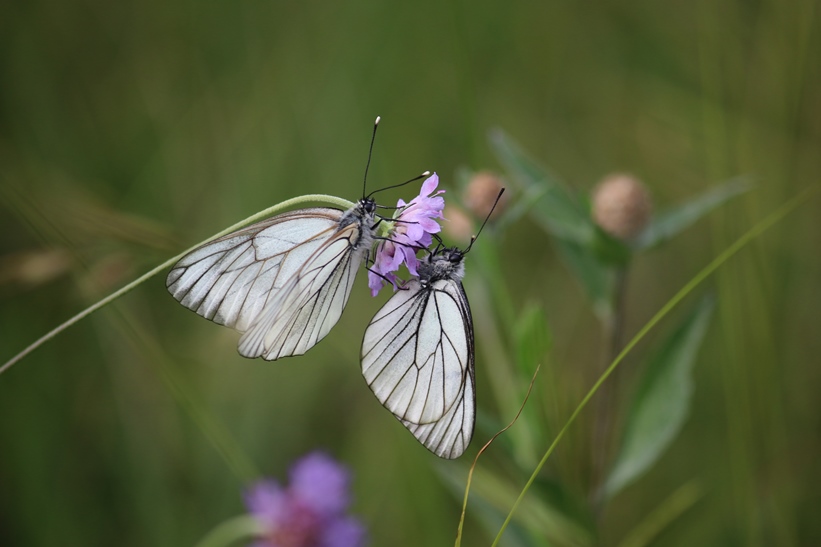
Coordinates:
409 232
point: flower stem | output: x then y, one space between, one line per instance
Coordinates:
168 263
602 444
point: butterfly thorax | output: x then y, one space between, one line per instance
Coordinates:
361 214
448 264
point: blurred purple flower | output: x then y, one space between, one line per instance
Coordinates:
412 232
311 511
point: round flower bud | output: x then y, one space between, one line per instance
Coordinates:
481 193
621 205
459 226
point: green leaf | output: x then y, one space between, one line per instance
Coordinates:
522 204
663 515
547 514
491 518
572 506
596 278
588 252
662 401
533 339
609 250
670 223
554 207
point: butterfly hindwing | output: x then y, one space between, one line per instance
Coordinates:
418 358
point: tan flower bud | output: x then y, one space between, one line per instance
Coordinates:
621 205
481 194
458 225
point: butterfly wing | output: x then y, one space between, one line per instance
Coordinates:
231 279
450 436
418 359
306 309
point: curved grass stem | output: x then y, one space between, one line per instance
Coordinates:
458 542
333 200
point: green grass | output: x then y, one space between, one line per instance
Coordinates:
130 131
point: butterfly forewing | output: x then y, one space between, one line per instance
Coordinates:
231 279
311 303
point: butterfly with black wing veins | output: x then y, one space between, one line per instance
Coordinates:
282 282
418 354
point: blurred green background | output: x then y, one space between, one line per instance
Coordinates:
131 130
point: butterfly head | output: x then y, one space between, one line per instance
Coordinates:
368 206
445 264
453 255
362 212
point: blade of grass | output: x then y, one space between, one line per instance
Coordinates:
659 518
481 450
214 431
751 234
168 263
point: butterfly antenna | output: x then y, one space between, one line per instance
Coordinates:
472 239
423 175
370 153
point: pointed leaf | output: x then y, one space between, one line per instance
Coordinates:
491 519
538 514
555 209
670 223
533 339
663 515
662 401
595 277
524 202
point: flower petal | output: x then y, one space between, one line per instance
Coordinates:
429 185
321 484
429 225
267 502
374 283
411 231
343 532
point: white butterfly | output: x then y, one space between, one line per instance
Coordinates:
283 282
418 358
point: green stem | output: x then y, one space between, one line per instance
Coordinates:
603 436
754 232
168 263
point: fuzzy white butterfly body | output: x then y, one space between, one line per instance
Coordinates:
418 356
284 282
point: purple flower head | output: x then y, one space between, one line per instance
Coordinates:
311 511
320 482
409 232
